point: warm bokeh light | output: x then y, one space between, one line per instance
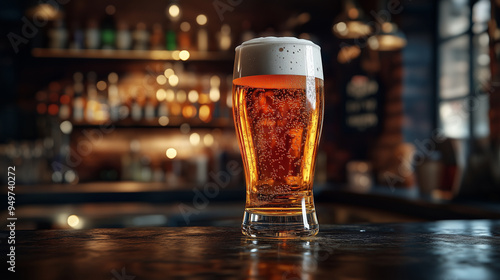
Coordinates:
110 10
181 96
113 77
204 113
161 94
201 19
70 177
161 80
66 127
65 99
340 28
175 109
203 98
163 120
174 11
101 85
185 26
193 96
171 153
173 80
169 95
229 101
73 221
175 55
188 111
168 72
353 13
208 140
214 94
214 81
53 109
194 139
184 55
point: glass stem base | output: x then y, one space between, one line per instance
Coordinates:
279 226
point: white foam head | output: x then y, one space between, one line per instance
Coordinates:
278 56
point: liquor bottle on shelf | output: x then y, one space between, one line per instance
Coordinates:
126 103
170 39
193 97
156 38
108 30
102 111
158 173
92 35
114 100
78 99
91 106
224 37
58 35
214 95
136 110
123 36
77 37
184 36
163 110
65 100
206 105
140 37
149 108
54 90
146 172
202 37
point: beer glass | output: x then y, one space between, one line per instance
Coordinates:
278 113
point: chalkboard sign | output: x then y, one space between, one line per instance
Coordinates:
362 104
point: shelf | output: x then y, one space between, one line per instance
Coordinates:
175 122
159 55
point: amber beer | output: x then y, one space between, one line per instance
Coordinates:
278 118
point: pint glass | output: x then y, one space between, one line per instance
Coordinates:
278 114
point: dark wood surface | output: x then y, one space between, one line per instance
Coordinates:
444 250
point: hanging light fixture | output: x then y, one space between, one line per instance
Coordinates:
45 12
390 38
350 24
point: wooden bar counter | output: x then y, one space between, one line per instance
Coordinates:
444 250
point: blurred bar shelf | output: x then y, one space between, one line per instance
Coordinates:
159 55
403 202
120 203
114 192
174 122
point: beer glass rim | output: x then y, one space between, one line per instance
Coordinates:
277 40
278 56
